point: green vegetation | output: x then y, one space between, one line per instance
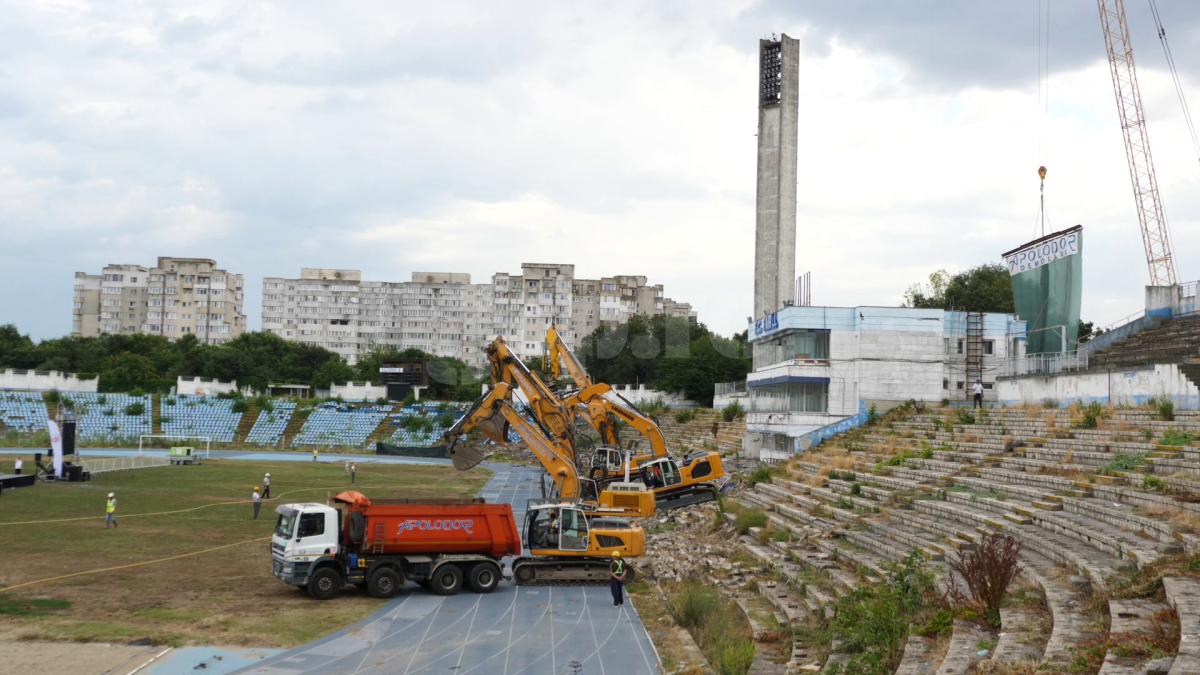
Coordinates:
1092 414
1164 407
685 415
169 511
31 606
135 408
668 352
748 518
987 288
655 407
1124 462
872 620
1156 484
1173 437
872 415
144 363
964 416
717 625
1049 403
762 474
733 411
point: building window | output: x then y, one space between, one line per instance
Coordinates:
989 347
800 344
945 383
809 397
960 350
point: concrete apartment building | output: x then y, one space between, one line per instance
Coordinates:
176 297
445 314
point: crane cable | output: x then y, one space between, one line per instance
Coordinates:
1187 113
1043 38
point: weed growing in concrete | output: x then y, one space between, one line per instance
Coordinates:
716 625
732 411
1122 462
1092 414
964 416
748 518
1173 437
987 570
1164 407
684 416
1049 403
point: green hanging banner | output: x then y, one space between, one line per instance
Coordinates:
1047 283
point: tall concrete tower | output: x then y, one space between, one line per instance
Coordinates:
775 220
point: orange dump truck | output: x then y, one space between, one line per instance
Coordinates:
379 544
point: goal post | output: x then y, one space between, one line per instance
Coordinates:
183 437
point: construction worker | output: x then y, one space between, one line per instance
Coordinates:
978 388
257 502
314 454
616 572
19 465
266 491
353 471
110 511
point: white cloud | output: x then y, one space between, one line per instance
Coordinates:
394 137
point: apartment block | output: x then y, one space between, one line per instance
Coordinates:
444 313
176 297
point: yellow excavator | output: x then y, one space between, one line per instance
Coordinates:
674 483
494 414
569 538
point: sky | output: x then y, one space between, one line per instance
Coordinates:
395 137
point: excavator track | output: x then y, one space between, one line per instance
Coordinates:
696 494
564 572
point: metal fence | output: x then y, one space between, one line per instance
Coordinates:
724 388
122 463
1045 364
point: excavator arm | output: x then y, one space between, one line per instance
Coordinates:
549 411
556 355
603 412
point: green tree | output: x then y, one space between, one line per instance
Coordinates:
335 370
986 288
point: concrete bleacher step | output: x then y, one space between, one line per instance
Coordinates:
1126 618
1184 595
248 419
961 656
1009 646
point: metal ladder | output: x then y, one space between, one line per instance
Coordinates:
974 352
377 538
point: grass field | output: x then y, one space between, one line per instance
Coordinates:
222 597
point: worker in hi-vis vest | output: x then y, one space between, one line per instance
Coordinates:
110 511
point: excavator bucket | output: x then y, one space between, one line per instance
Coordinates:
495 427
464 458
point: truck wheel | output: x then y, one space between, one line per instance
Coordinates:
385 583
446 580
483 577
325 583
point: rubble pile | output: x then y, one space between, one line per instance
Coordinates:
681 544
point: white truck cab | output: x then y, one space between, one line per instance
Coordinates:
304 534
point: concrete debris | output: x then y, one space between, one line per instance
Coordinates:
681 544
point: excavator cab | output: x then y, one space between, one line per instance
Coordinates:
660 473
556 527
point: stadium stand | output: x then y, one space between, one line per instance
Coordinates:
331 425
421 433
200 415
270 425
22 411
104 417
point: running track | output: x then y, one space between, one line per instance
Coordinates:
532 630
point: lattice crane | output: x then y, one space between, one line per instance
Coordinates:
1155 236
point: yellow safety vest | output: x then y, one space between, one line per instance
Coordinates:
111 508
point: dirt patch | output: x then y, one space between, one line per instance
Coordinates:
73 659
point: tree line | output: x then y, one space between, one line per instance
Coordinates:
669 354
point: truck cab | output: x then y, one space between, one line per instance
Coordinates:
185 455
304 535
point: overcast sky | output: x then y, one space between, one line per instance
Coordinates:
474 136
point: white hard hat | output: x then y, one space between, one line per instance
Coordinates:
268 475
111 494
